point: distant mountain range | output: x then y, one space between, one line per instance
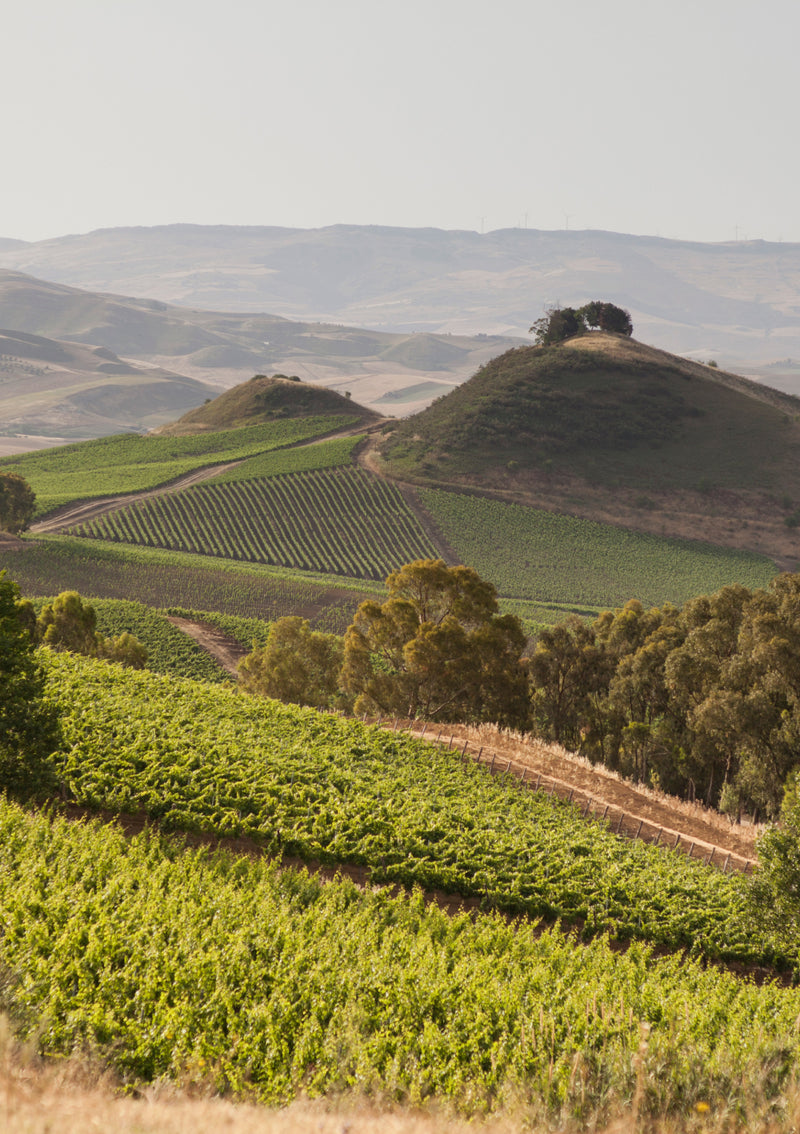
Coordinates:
736 302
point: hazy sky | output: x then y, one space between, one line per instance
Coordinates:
677 118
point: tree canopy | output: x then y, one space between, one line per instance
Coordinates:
297 664
28 725
17 502
561 323
437 649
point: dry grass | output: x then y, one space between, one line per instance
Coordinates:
703 826
73 1097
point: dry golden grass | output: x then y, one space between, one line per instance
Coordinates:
703 826
72 1097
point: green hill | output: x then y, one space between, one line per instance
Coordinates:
607 428
265 399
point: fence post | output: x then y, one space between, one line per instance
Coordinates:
658 836
619 825
639 828
606 810
464 749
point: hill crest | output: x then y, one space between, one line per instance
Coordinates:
607 428
264 398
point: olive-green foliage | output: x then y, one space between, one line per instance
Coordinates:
532 554
28 726
17 502
67 623
297 664
775 892
186 965
704 699
437 649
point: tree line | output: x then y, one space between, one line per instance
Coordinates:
701 700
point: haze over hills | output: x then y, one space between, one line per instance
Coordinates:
737 302
607 428
200 353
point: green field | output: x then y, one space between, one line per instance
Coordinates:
207 759
168 579
233 975
344 521
128 462
535 555
302 458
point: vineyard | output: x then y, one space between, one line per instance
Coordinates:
205 759
344 521
322 455
561 559
237 976
167 579
128 462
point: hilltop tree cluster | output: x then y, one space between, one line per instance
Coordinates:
561 323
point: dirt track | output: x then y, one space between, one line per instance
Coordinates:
72 514
632 810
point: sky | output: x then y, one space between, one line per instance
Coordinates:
677 119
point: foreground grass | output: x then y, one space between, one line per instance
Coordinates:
185 966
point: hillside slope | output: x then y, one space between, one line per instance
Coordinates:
77 390
265 398
607 428
732 301
221 350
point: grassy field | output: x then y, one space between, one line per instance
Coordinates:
543 556
128 462
195 582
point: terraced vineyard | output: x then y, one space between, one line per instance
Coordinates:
561 559
205 759
343 521
237 977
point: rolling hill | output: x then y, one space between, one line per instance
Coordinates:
606 428
181 356
735 301
266 398
78 390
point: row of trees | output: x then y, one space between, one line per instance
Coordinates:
561 323
702 700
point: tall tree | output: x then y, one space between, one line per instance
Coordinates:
17 502
297 664
28 725
437 649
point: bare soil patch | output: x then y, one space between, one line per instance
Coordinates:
227 651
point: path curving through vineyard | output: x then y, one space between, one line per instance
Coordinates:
632 810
